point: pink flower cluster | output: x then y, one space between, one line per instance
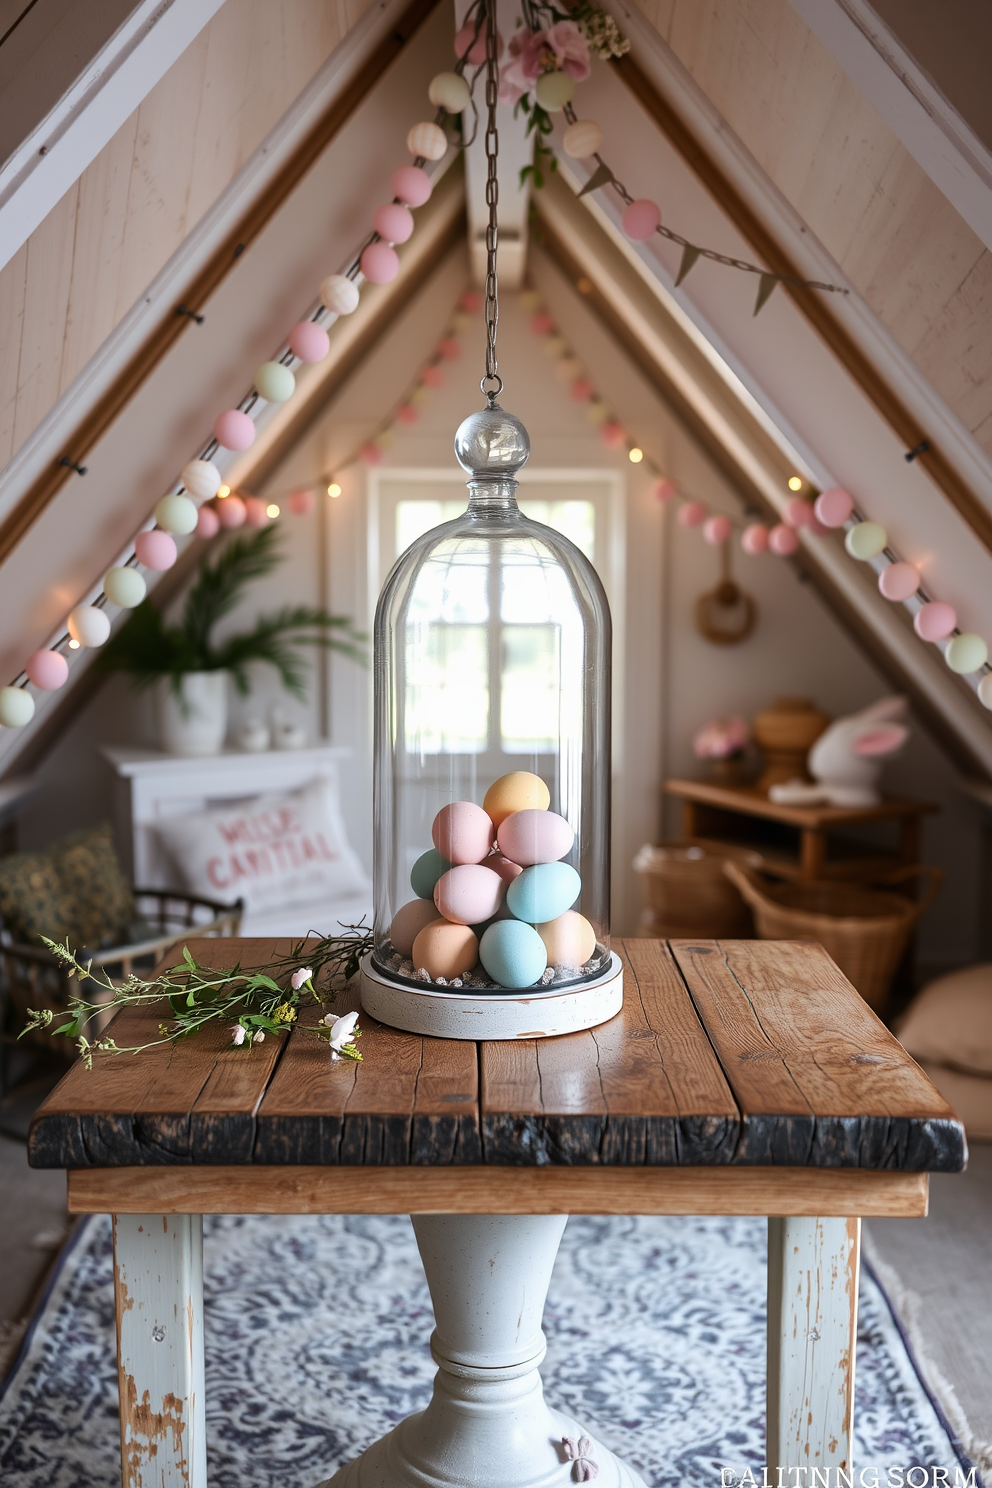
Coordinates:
558 48
722 738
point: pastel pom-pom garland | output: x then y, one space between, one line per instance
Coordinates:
754 540
834 507
393 222
899 581
275 383
641 219
411 185
380 263
582 139
207 523
89 626
176 514
935 620
231 512
16 707
48 670
866 540
201 479
339 295
450 91
309 341
125 587
156 550
427 140
234 430
966 653
783 541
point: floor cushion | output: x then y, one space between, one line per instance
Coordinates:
948 1029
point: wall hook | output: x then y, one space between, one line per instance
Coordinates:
920 449
73 465
183 310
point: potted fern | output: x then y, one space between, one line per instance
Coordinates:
191 668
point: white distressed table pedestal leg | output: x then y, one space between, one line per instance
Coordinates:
487 1422
158 1278
813 1267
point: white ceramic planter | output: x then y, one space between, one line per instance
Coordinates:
193 720
487 1425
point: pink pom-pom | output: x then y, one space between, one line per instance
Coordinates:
234 430
816 528
379 263
834 507
309 341
207 522
798 512
407 414
580 390
754 540
393 222
783 541
156 550
641 219
449 348
411 185
613 435
665 491
898 581
301 503
371 454
256 514
541 323
231 512
691 514
716 530
432 377
470 300
935 621
470 43
47 669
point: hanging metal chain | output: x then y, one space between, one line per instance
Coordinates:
492 383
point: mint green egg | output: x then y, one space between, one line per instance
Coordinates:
426 871
543 892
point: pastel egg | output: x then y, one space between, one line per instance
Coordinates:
569 940
445 950
528 837
506 870
543 892
462 832
513 953
468 894
518 791
426 871
408 923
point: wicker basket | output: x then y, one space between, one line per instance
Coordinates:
688 897
864 930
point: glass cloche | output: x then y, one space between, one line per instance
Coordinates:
492 746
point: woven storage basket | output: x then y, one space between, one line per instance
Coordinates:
687 895
864 930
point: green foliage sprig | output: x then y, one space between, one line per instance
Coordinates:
254 1002
148 649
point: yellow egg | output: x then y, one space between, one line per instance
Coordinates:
445 950
569 940
518 791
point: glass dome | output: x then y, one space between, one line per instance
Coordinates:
492 745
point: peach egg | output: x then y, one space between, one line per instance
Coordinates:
569 940
445 950
408 923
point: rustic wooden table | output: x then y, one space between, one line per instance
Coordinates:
740 1078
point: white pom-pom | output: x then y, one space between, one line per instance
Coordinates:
428 140
16 707
88 625
582 139
339 294
201 479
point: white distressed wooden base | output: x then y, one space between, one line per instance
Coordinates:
487 1423
813 1270
158 1278
459 1014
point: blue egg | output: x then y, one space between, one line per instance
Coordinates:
513 953
543 892
426 871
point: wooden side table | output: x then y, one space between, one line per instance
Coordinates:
740 1078
723 813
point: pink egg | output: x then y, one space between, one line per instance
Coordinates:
309 341
528 837
411 185
379 263
580 390
407 414
47 669
665 491
569 940
541 323
256 514
234 430
156 550
231 512
716 530
462 832
691 514
613 435
898 581
302 503
408 923
935 621
833 507
445 950
393 222
798 512
507 871
754 540
432 377
640 219
207 522
469 894
783 541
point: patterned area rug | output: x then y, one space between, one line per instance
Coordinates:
317 1334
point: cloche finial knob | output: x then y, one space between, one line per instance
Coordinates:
492 444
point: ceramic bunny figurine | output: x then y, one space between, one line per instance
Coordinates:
846 759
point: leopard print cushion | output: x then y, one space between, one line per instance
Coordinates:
75 888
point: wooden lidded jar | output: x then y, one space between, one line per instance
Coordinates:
785 733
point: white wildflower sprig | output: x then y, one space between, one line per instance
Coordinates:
341 1034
